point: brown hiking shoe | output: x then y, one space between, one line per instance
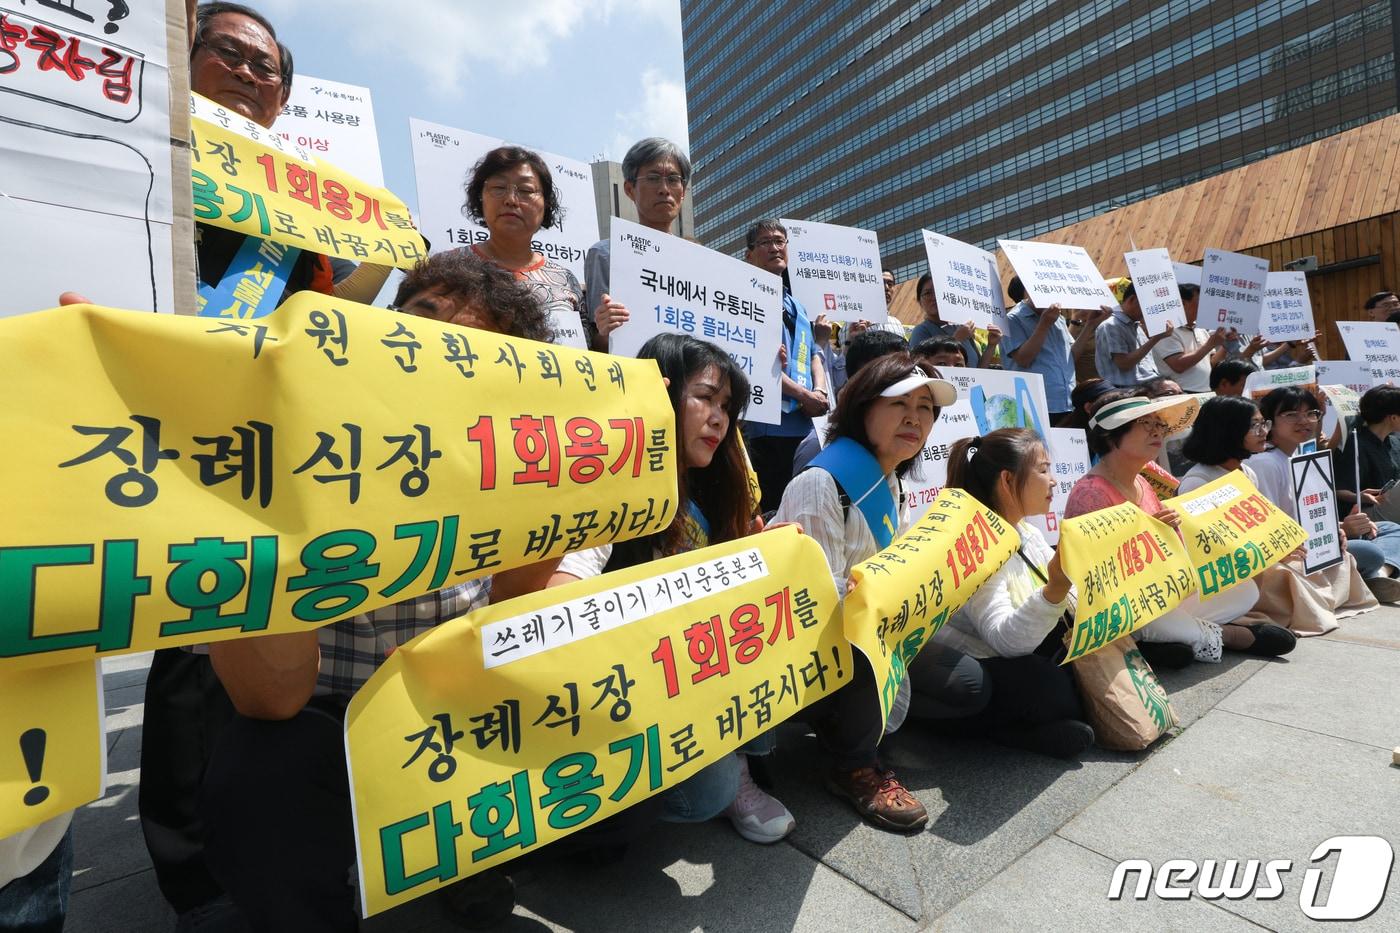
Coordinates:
878 796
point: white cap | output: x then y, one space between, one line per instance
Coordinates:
944 392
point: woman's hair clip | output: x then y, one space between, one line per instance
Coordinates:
972 449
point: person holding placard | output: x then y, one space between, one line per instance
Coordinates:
1381 305
1374 436
1039 341
1227 434
1126 432
1188 353
1123 348
852 503
656 176
934 326
512 193
805 387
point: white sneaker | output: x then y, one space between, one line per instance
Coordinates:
755 814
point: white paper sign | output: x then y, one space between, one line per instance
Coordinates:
1315 494
1232 291
1058 275
1261 383
1376 344
85 186
1288 313
1154 283
671 285
1187 274
1069 462
835 271
443 159
965 282
987 399
334 122
1355 376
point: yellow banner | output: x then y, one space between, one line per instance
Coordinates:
1162 482
51 743
514 726
905 593
247 178
1127 569
1233 533
176 480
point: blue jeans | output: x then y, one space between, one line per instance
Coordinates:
704 795
1388 540
38 902
1369 557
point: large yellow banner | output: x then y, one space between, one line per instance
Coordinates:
176 480
249 179
1127 569
520 723
52 740
905 593
1233 533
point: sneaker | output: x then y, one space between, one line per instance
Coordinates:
878 796
1270 640
1385 589
1167 654
755 814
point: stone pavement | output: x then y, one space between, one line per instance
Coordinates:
1277 757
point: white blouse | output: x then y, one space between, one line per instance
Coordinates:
1272 478
1200 474
813 501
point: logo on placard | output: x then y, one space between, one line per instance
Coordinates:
640 244
1359 879
439 140
830 301
796 230
763 287
572 173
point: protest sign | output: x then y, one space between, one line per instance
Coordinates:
1261 382
1232 291
672 285
51 730
511 727
443 159
1315 495
1233 533
1154 283
904 594
1377 345
930 472
836 271
965 282
85 193
1058 275
1287 313
249 179
1187 274
1127 569
334 121
1069 462
373 457
1354 375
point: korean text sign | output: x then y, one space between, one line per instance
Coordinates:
904 594
673 286
1261 382
836 271
334 121
249 179
1127 568
965 282
509 728
349 457
1058 275
1232 291
1288 313
1154 283
1233 533
1315 494
1069 462
1375 343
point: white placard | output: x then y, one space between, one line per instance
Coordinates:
1315 494
443 159
671 285
1187 274
1058 275
85 185
1377 345
1232 291
1154 283
1355 376
1260 383
1287 313
987 399
965 282
335 122
835 271
1069 462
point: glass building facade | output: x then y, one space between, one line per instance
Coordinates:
984 119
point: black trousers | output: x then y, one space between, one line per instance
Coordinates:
186 711
1022 692
772 460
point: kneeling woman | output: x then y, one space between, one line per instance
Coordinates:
851 503
708 392
1011 624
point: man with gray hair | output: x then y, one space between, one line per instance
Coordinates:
656 176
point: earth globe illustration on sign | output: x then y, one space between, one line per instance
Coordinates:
1005 411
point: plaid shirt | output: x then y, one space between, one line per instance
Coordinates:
352 649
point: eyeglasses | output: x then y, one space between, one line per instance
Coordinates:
776 242
1076 323
262 68
1293 417
672 180
1260 427
1154 427
499 190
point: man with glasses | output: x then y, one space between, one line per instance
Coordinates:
1381 305
656 176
